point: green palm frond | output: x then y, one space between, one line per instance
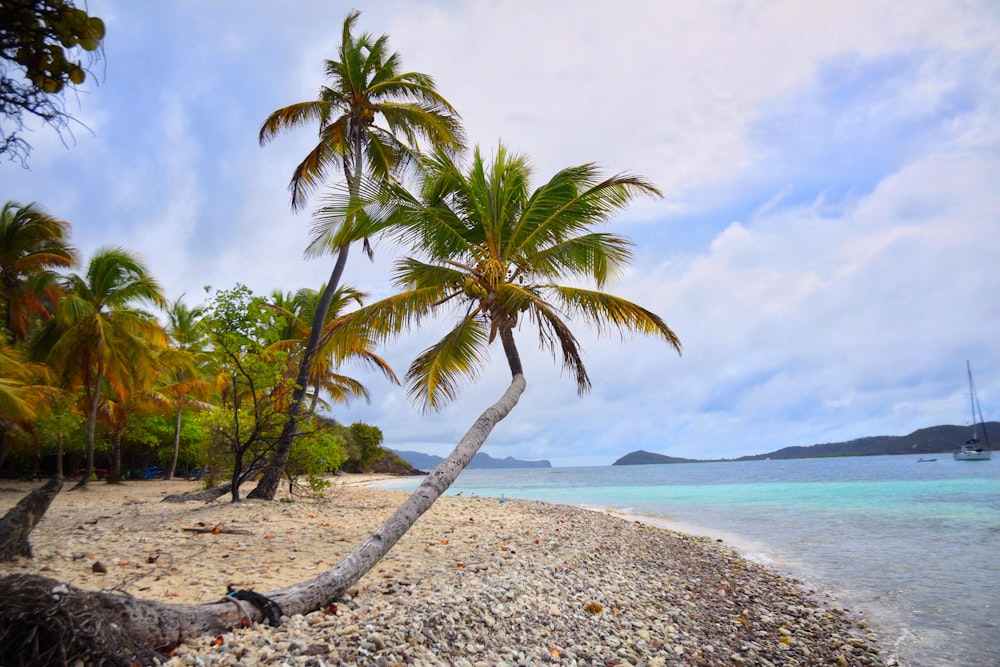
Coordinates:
605 311
599 256
389 317
437 375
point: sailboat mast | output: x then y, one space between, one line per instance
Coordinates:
976 409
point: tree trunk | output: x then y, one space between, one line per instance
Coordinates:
115 469
177 443
4 445
91 427
17 524
59 457
206 495
88 628
269 481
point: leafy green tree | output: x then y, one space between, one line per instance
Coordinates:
32 243
59 421
371 117
367 440
98 331
251 378
41 42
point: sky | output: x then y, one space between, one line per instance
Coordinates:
826 247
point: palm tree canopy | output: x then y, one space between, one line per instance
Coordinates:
98 321
496 252
370 111
338 343
32 242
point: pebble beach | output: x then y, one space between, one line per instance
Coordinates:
476 582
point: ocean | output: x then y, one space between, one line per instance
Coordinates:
914 548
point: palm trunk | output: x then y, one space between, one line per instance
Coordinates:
268 485
177 443
4 445
145 623
269 481
91 427
115 469
59 457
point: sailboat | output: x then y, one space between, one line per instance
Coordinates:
972 450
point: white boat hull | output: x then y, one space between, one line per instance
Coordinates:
966 454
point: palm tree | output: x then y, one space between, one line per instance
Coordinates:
335 348
371 117
97 331
498 254
184 362
495 253
31 243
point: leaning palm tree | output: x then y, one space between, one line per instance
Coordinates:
98 331
498 254
32 243
495 253
371 117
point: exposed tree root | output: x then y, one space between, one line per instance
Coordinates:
44 622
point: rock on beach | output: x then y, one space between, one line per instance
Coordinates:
474 583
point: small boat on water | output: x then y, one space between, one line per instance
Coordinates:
972 450
926 460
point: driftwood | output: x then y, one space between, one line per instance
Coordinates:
17 524
206 495
215 530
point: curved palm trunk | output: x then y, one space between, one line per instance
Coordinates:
91 428
163 626
269 481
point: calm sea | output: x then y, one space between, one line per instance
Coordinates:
913 547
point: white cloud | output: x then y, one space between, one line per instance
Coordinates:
823 250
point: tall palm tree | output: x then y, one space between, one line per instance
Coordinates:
98 331
371 117
32 242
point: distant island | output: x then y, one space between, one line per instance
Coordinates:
642 457
931 440
481 460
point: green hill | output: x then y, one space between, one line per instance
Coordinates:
931 440
642 457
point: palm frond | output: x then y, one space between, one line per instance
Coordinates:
605 311
436 377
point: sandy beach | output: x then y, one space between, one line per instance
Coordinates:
475 582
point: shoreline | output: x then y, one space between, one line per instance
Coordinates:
475 581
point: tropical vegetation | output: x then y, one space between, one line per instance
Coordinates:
372 117
101 375
229 387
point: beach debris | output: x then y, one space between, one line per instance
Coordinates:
99 567
219 528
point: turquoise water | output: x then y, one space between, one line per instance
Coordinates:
913 547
